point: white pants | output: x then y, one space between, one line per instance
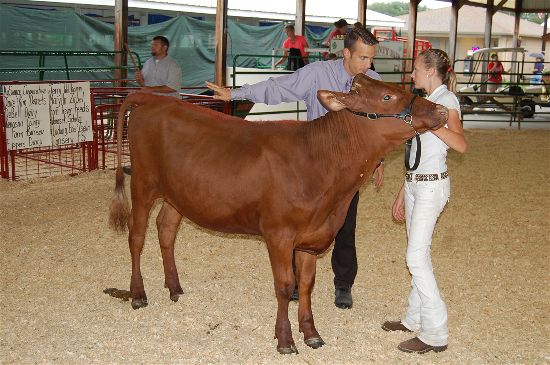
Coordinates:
427 313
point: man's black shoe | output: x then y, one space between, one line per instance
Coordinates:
127 170
342 298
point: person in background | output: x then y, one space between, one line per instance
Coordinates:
335 75
340 28
538 67
420 201
495 70
160 74
295 44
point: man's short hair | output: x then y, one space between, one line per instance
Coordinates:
289 27
359 33
162 40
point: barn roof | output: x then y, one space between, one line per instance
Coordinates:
284 10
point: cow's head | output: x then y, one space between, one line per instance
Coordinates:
371 98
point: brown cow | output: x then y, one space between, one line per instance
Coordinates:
288 181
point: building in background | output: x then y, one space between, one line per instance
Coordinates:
433 25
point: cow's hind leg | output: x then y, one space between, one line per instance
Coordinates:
280 255
168 222
137 225
305 271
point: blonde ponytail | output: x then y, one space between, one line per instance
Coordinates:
438 59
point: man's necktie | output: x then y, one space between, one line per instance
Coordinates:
348 85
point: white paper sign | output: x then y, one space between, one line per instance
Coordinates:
388 58
40 115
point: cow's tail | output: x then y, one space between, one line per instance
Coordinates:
119 210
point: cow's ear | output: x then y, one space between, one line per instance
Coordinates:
332 100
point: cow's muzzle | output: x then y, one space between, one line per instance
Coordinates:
442 115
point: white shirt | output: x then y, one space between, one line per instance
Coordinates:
434 151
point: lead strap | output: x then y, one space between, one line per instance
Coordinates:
408 145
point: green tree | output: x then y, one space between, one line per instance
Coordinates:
533 17
395 8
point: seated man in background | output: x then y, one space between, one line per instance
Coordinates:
160 74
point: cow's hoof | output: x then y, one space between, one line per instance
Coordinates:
174 297
288 350
139 303
314 342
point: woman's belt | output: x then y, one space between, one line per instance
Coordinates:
409 176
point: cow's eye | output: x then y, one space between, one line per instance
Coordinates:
387 97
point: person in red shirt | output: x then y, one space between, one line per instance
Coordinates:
340 28
294 46
495 70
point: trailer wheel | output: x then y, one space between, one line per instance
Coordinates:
466 100
527 107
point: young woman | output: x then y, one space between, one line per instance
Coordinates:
420 201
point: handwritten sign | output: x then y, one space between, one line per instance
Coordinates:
40 115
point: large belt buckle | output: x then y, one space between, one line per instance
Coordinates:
426 177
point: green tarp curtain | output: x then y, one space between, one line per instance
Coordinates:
192 43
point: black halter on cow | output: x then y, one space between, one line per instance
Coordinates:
288 181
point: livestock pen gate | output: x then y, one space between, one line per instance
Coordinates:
75 158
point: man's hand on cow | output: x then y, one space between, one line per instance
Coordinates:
220 92
378 175
398 208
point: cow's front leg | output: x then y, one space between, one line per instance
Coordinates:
280 255
305 270
168 222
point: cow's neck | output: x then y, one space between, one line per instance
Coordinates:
339 141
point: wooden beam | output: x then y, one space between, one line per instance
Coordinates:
515 38
413 7
121 38
544 32
362 12
300 23
453 30
500 5
221 43
490 11
489 22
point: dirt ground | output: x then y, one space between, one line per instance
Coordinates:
490 251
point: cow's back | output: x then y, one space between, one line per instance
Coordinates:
208 165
